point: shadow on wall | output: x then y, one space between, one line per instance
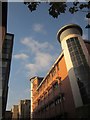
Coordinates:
82 74
59 102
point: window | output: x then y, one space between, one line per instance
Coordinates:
81 67
6 45
47 107
3 70
45 83
58 66
62 96
9 37
4 64
38 101
50 90
5 50
45 95
55 85
76 53
5 56
53 72
57 101
52 104
71 49
48 78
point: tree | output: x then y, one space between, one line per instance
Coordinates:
56 8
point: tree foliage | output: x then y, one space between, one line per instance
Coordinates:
56 8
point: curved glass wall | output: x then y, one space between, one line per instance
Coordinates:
81 68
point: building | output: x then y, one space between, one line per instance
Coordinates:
8 115
15 112
24 109
35 83
3 29
6 63
3 21
64 92
6 46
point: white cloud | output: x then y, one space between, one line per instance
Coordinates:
42 57
39 28
42 62
21 56
36 46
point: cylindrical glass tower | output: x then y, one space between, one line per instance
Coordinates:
77 62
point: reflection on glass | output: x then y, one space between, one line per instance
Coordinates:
81 68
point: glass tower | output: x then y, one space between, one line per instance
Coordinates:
77 62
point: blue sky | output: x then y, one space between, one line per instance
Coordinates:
35 45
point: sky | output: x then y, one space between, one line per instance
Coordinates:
35 45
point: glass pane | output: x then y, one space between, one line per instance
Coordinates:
9 37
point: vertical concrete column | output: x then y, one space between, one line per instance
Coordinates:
31 99
69 36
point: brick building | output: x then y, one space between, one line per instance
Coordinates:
15 112
64 91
